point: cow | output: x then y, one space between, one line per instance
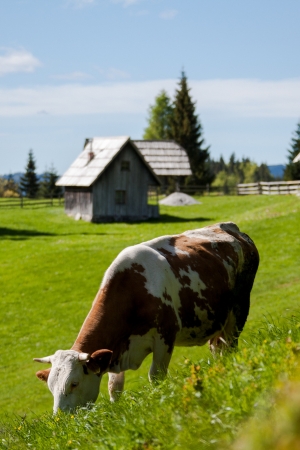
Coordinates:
184 290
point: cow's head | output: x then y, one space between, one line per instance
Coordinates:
74 378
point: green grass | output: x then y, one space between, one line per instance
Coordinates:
200 405
51 268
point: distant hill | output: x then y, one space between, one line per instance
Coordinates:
277 170
16 176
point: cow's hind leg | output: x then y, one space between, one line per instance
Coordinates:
228 337
115 385
161 359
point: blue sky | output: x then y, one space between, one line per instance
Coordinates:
72 69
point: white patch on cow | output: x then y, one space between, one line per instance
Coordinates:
202 315
230 271
196 284
161 357
139 348
188 337
210 234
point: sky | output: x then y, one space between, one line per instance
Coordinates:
76 69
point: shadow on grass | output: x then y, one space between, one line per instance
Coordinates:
167 218
163 218
19 235
12 233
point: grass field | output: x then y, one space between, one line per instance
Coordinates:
51 268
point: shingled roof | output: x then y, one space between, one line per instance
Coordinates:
297 159
166 158
97 154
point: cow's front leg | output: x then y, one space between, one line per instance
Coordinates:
115 385
161 358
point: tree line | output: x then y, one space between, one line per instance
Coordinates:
177 120
30 184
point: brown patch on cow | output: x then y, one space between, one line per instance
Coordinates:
43 374
123 308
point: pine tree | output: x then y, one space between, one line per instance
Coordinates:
159 120
292 170
47 185
186 130
29 182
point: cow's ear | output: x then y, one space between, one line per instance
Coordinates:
99 361
43 374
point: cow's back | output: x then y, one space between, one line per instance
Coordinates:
210 272
185 285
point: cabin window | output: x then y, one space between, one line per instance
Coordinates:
125 165
120 197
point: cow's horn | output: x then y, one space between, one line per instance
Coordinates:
46 359
83 356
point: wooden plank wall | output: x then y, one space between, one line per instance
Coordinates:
135 182
79 202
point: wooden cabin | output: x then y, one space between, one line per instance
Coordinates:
167 158
110 181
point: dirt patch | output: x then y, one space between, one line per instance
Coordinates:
179 199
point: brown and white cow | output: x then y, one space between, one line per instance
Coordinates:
183 290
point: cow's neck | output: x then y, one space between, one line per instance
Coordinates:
106 325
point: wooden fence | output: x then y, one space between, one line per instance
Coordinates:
269 188
24 202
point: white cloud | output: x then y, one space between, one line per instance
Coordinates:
222 98
73 76
249 97
168 14
13 61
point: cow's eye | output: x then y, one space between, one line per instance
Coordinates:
74 384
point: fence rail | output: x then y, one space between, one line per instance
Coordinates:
24 202
270 188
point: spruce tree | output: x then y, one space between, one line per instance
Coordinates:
29 183
292 170
159 120
47 185
186 130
